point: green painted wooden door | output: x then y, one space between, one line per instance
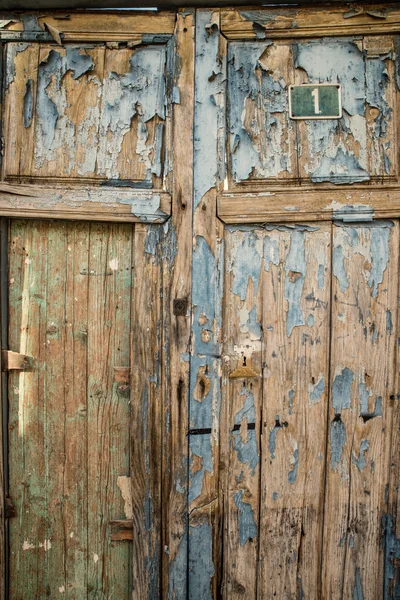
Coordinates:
69 308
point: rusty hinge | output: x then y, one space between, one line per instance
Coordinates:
15 361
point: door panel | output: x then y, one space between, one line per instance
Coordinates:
70 298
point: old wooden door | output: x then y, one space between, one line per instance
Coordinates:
294 396
91 104
208 291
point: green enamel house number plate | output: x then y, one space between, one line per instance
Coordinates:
315 101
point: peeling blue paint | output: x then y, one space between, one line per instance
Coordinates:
201 566
392 555
295 269
315 391
200 446
178 573
247 452
245 265
272 435
28 104
360 461
337 439
293 472
341 390
380 238
291 396
270 252
339 270
358 593
364 394
246 522
275 496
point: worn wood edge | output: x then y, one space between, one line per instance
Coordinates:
102 204
15 361
282 23
353 204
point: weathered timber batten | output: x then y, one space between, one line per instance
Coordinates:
199 303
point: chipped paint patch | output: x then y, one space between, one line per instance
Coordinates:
245 440
178 572
201 566
337 440
360 461
358 593
124 484
294 461
295 269
341 389
316 390
246 523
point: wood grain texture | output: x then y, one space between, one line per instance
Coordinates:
205 502
242 410
279 22
177 241
364 313
307 204
68 439
146 417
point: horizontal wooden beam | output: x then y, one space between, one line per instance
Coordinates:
14 361
88 204
301 205
162 4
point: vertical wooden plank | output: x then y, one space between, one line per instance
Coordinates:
241 412
146 422
365 288
177 253
20 97
109 273
296 292
204 408
75 424
28 543
4 470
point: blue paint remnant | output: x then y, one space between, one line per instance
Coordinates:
310 320
270 252
153 569
364 394
377 80
293 473
295 269
321 277
360 461
339 270
315 391
209 120
380 238
334 62
246 523
245 265
392 555
28 104
178 573
250 79
200 446
291 396
300 591
247 452
342 540
338 439
341 390
201 566
253 325
351 541
275 496
272 435
358 591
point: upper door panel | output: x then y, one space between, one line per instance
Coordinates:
265 144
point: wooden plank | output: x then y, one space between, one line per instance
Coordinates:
75 319
100 204
146 413
286 22
27 449
307 204
108 411
177 241
109 4
14 360
241 412
362 382
296 292
98 26
205 516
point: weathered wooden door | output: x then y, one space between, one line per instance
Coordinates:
208 291
294 456
91 281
